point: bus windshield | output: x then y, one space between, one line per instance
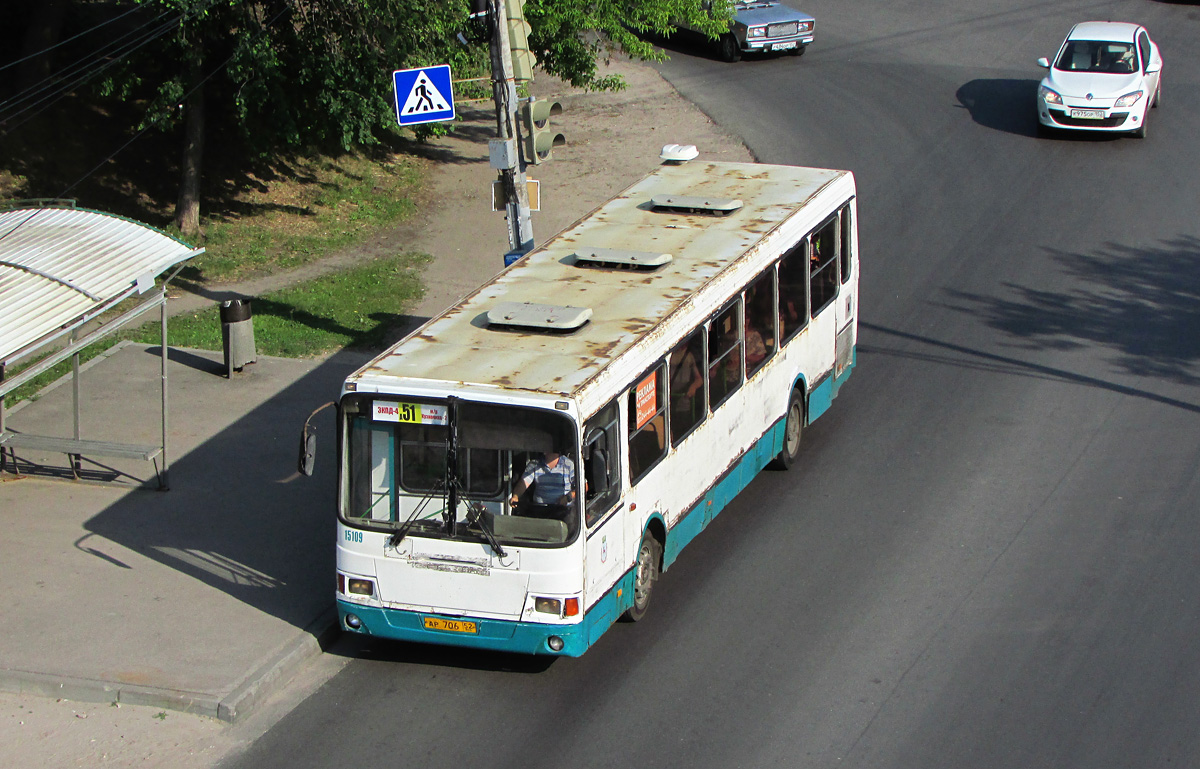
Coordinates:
514 479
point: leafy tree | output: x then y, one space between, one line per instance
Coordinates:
570 36
283 74
258 76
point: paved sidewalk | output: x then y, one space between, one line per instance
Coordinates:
206 598
191 599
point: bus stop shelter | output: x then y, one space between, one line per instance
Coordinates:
69 278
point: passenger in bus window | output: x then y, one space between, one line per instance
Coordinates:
760 328
686 385
552 478
793 287
756 349
685 374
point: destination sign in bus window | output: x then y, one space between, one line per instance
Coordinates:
410 413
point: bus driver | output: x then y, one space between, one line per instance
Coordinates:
552 478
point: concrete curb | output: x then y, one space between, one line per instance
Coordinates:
252 690
261 683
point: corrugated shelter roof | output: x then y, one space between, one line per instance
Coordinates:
60 266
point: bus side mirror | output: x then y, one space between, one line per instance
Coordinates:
308 443
308 450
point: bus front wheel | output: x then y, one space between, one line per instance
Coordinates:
644 577
793 431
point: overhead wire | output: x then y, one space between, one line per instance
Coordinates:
146 127
76 36
57 86
100 57
51 95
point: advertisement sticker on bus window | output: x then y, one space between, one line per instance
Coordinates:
410 413
646 399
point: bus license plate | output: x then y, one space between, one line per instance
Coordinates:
450 625
1088 114
783 46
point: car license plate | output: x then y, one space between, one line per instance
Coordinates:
450 625
1088 114
783 46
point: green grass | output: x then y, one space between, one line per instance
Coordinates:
353 308
336 204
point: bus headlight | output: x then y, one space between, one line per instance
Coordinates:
555 643
548 606
361 587
353 622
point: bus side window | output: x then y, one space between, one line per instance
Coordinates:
824 263
725 353
647 423
601 462
793 290
846 244
686 378
760 321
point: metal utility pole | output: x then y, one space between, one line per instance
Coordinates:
506 156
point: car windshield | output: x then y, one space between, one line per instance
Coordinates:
1097 56
395 470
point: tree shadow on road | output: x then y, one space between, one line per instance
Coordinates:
1139 302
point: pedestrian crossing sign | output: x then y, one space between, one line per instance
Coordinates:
423 95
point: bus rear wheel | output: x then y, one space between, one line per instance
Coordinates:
644 577
793 431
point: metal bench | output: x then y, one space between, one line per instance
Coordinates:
76 449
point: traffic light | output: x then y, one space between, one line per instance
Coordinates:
539 138
518 40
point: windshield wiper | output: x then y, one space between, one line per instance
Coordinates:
400 533
475 514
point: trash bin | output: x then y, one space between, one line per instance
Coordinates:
237 335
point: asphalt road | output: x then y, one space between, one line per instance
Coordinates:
988 554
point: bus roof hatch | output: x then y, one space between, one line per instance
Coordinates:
540 317
621 258
693 204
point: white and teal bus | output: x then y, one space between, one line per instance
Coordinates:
516 473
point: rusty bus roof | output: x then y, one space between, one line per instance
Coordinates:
627 306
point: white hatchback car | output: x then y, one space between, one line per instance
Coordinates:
1104 78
